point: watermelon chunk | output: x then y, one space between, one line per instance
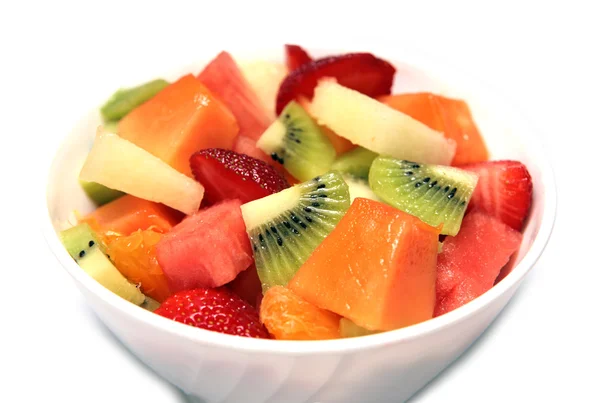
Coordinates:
207 249
376 268
471 261
223 77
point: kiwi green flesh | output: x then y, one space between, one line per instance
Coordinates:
434 193
125 100
100 194
85 248
298 144
150 304
350 329
355 163
284 241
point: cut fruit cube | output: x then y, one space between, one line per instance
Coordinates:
178 121
296 142
376 268
121 165
128 214
447 115
206 250
288 316
223 77
264 77
377 127
471 261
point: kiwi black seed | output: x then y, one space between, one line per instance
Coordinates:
296 141
437 194
286 227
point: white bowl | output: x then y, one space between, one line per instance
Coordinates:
392 365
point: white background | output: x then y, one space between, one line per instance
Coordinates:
57 60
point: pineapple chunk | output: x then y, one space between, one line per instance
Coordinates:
377 127
121 165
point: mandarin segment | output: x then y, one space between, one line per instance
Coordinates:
288 316
135 257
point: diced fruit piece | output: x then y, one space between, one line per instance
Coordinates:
207 249
362 72
436 194
286 227
128 214
226 175
295 57
447 115
376 268
215 309
377 127
223 77
471 261
359 188
264 77
135 257
99 194
295 141
181 119
247 286
127 99
85 247
351 329
121 165
356 163
504 191
289 317
340 144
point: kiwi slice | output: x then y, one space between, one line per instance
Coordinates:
126 99
100 194
437 194
84 246
351 329
356 163
286 227
150 304
296 141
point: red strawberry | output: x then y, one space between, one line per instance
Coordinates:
295 57
226 175
216 309
504 190
362 72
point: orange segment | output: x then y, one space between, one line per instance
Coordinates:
128 214
178 121
135 257
289 317
376 268
447 115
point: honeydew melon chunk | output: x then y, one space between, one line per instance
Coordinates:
264 78
378 127
121 165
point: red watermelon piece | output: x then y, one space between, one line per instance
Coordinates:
223 77
247 286
471 261
207 249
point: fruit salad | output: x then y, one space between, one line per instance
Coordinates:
301 200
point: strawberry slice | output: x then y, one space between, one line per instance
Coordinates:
295 57
216 309
227 175
504 190
362 72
